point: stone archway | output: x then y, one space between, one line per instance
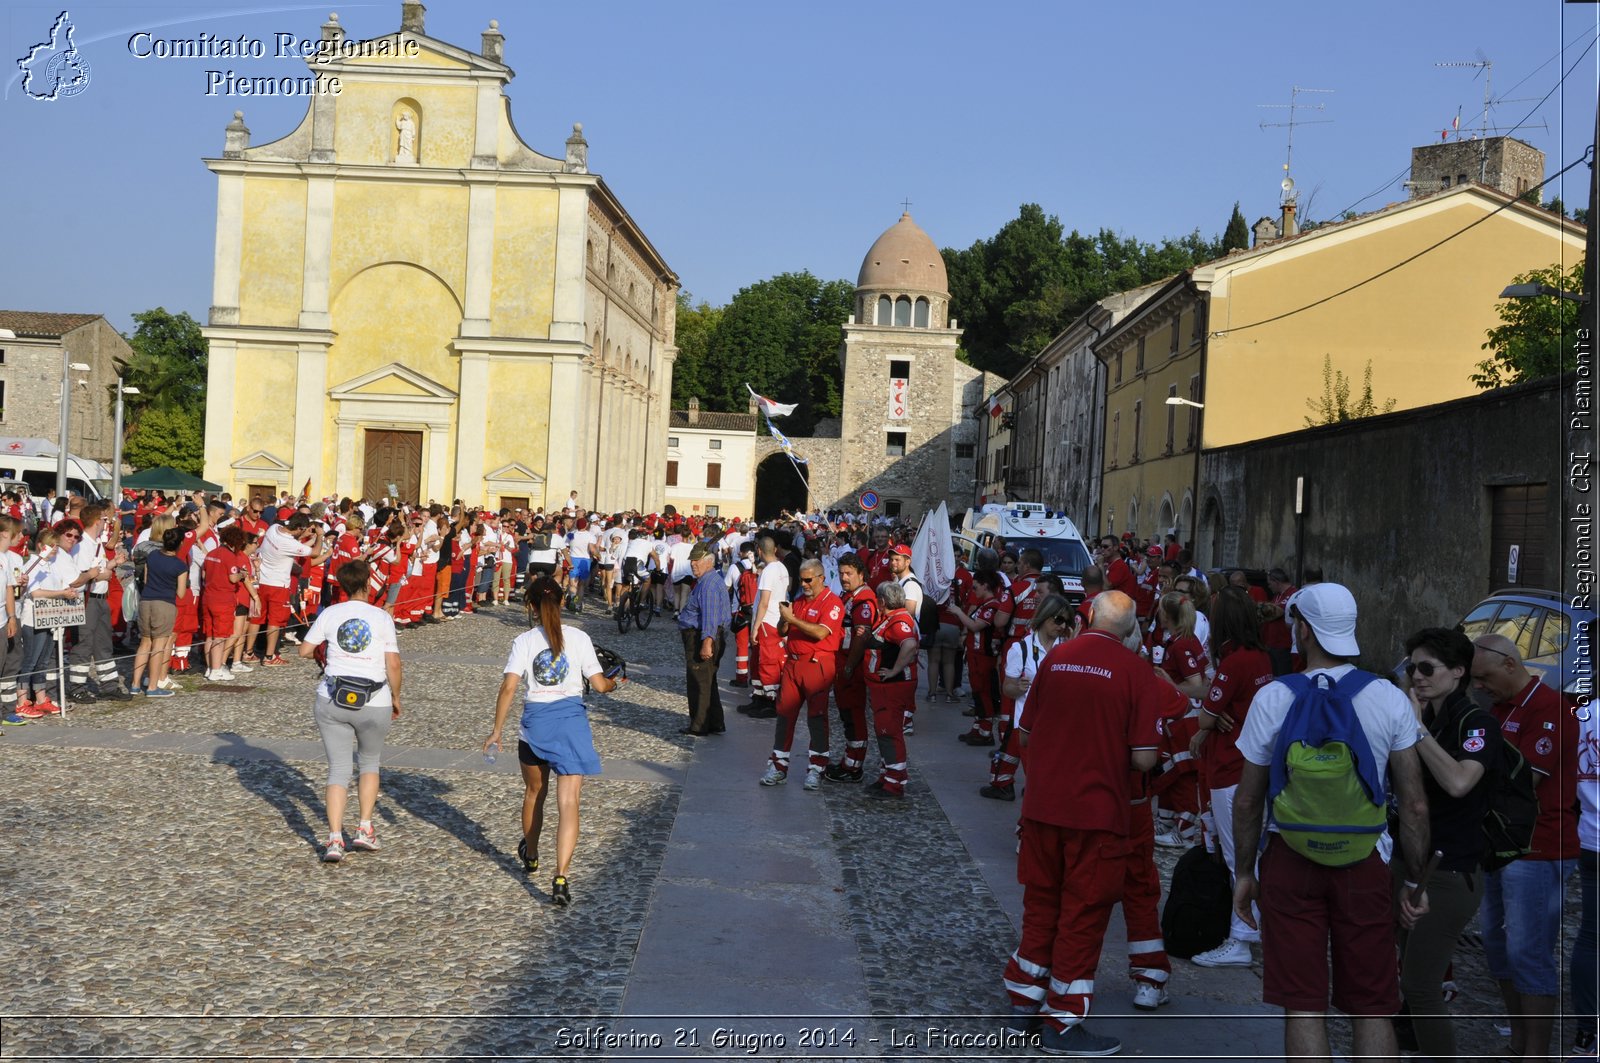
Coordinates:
779 486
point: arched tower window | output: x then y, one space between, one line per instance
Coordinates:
885 310
902 312
920 314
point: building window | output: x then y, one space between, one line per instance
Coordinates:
713 474
899 370
1194 412
1461 178
1172 412
1119 368
672 474
713 511
891 507
920 315
716 444
895 446
966 451
1116 437
1198 331
1138 427
1176 324
1138 361
902 312
2 400
2 356
885 310
672 442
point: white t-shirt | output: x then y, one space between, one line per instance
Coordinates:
431 531
613 541
1384 712
551 678
579 544
277 554
10 565
663 551
774 578
45 574
678 558
913 589
89 554
640 550
359 636
1022 661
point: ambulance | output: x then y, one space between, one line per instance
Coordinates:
1023 524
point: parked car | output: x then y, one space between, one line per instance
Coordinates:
1555 638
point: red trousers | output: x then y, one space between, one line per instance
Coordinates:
769 660
741 652
850 695
891 703
1141 902
981 670
1070 881
804 681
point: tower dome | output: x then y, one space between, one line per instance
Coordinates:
904 259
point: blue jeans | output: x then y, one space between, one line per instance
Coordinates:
1585 953
1521 918
38 663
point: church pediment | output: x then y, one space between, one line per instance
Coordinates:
261 461
515 473
391 382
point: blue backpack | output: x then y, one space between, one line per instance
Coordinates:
1326 794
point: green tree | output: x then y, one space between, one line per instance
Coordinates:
696 324
168 366
782 337
174 437
1334 404
1534 337
1237 235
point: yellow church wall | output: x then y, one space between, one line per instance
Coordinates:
272 251
519 415
365 133
394 312
391 223
1422 326
263 402
522 297
424 57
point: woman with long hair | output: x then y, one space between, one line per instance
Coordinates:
553 660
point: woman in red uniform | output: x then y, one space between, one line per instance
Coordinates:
1182 659
222 571
982 649
892 685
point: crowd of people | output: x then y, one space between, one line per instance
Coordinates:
1143 703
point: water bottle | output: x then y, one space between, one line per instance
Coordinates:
491 753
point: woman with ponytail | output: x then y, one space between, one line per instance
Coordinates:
553 660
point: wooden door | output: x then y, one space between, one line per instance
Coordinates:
393 458
1517 527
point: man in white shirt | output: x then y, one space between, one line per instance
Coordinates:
772 590
678 571
283 543
94 637
583 549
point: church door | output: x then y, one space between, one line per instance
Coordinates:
393 458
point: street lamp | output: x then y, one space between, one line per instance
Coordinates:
116 445
67 369
1173 400
1528 291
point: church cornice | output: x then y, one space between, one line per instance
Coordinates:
440 175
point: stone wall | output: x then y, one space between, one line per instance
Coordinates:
31 372
1397 508
1499 162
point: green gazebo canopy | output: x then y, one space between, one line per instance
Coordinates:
166 478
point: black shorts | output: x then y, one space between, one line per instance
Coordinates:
241 610
526 755
606 566
658 577
542 568
683 581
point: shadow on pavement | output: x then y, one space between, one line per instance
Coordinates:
277 782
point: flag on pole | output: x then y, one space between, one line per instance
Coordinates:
783 441
305 492
770 408
933 556
995 409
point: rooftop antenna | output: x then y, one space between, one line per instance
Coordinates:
1485 66
1294 106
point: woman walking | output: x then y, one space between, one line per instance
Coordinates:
356 701
553 660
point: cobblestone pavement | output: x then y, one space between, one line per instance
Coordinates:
165 898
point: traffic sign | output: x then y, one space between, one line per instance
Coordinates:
869 500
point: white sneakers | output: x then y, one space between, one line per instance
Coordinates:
1149 996
1171 839
813 778
1231 953
773 776
218 675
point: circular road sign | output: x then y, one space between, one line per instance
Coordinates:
869 500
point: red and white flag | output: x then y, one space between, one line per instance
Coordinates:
770 408
995 409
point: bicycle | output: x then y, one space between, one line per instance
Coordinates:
633 607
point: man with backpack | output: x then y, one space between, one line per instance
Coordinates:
1521 913
1317 747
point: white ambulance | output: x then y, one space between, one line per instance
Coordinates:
1024 524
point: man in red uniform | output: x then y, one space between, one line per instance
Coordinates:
1119 577
850 680
812 625
772 589
1521 913
1274 628
1089 718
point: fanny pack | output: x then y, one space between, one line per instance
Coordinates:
353 692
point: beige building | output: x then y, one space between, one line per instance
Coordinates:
32 358
711 462
409 299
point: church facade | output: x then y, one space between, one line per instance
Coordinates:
409 300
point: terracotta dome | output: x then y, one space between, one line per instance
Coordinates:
904 259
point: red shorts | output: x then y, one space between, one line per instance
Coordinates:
274 605
1304 908
218 616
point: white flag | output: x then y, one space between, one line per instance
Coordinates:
770 408
933 555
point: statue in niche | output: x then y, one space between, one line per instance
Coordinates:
407 150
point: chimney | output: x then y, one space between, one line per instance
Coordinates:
411 15
236 137
1290 227
494 42
694 410
755 407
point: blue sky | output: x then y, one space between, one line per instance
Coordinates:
749 139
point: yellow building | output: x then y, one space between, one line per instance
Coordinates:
1412 287
409 300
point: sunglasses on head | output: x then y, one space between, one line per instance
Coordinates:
1423 668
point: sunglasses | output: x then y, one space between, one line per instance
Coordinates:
1423 668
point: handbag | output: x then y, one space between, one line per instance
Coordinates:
353 692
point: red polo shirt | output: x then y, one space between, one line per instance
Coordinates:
1538 721
861 612
823 608
1091 703
1239 675
1182 657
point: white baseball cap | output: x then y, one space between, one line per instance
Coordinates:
1330 609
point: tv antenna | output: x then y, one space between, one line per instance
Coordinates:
1294 107
1484 65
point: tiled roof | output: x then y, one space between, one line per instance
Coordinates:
39 323
713 421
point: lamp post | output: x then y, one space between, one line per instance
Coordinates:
1194 487
1528 291
67 369
1173 400
116 445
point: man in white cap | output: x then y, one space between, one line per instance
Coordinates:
1306 905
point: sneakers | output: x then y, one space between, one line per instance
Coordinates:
773 776
159 693
560 893
365 839
739 681
291 638
81 696
910 726
1231 953
333 852
530 864
1077 1041
239 668
1149 996
813 779
998 793
32 712
840 773
167 683
116 692
1171 839
17 719
976 738
765 711
276 660
250 658
218 675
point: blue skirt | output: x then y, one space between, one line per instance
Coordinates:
558 732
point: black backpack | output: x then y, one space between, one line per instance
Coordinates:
1513 808
1199 904
927 616
540 541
